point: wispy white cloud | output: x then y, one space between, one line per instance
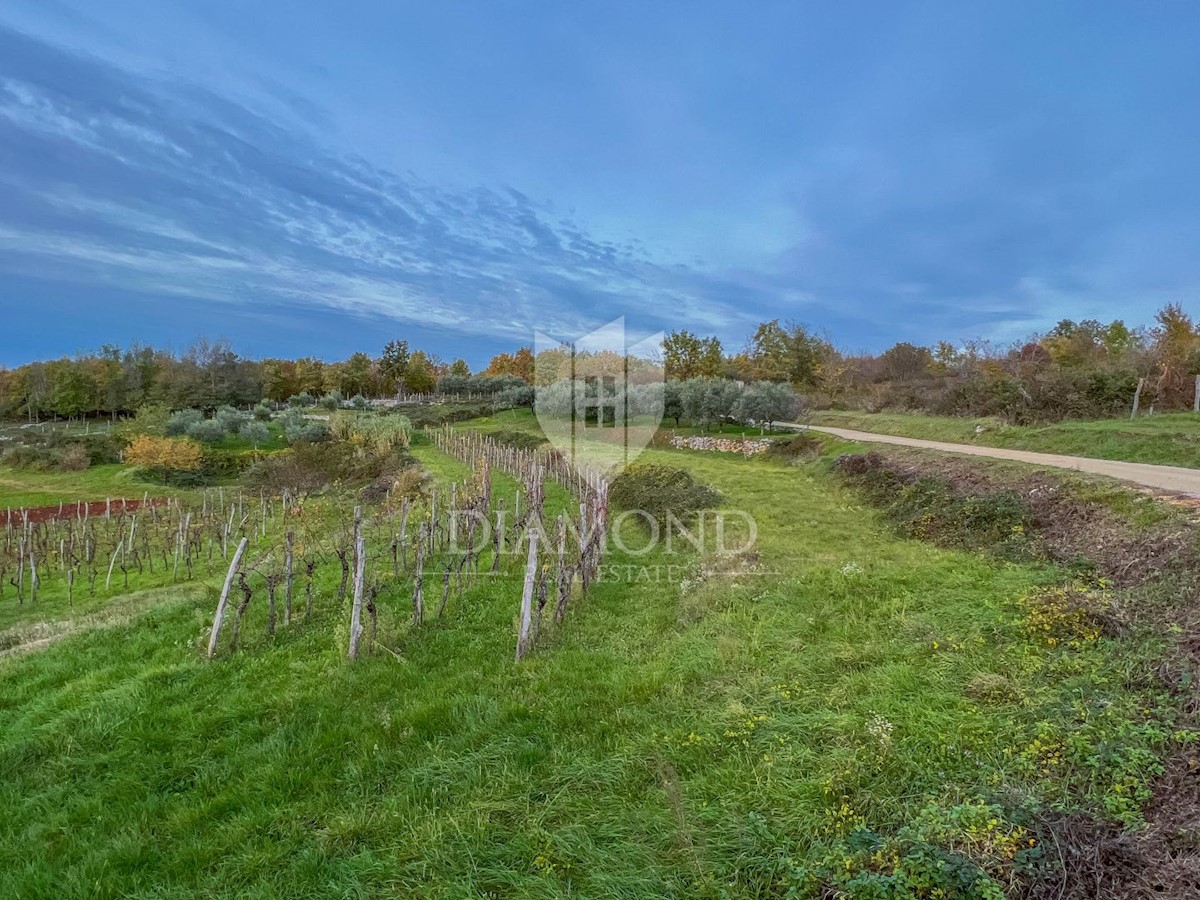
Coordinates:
166 188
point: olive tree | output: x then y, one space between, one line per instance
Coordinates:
256 433
766 402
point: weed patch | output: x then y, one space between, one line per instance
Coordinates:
930 507
661 491
794 450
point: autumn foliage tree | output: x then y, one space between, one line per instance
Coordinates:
164 455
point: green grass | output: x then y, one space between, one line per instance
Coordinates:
29 488
1171 439
706 736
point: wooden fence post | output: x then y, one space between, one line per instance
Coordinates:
527 596
289 577
360 563
221 604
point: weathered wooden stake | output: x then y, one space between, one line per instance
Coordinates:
288 577
223 602
360 564
527 596
1137 398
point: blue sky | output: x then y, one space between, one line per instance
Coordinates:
311 178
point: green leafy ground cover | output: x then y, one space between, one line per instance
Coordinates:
839 705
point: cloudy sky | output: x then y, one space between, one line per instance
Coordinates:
315 178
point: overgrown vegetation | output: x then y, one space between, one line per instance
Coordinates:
837 709
794 450
1134 582
661 491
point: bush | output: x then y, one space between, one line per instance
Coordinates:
423 416
43 457
297 428
101 448
931 508
514 397
522 440
256 433
74 458
231 419
182 421
410 483
308 468
794 450
225 464
263 412
207 431
308 433
301 400
27 456
358 401
164 456
332 400
661 491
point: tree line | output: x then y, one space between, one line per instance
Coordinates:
209 374
1087 369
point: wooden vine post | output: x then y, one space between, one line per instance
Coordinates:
224 601
527 596
289 576
360 565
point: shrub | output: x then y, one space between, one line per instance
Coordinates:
101 448
262 412
358 401
929 507
256 433
661 491
412 483
231 419
226 464
377 434
521 439
74 458
332 400
164 455
424 415
297 428
308 433
794 450
513 397
150 418
182 421
308 468
41 457
301 400
27 456
207 431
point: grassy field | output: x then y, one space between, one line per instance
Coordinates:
1172 439
725 727
28 488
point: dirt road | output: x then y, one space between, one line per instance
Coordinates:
1175 479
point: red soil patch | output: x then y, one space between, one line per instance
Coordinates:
71 510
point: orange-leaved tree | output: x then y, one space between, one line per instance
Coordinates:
164 455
